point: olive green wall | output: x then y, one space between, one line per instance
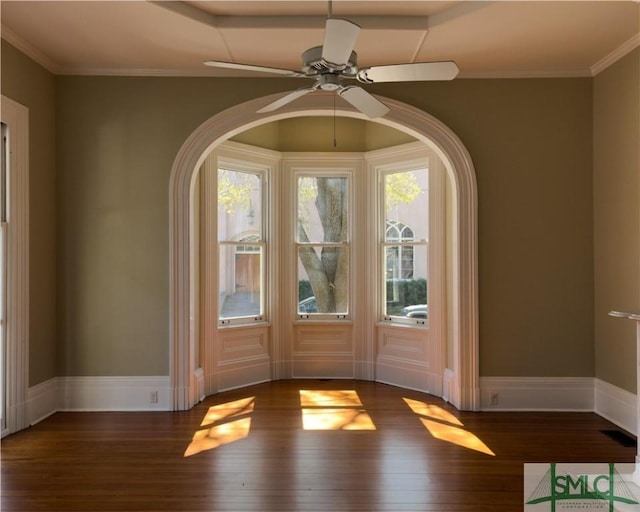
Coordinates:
323 134
33 86
320 134
616 184
531 143
117 139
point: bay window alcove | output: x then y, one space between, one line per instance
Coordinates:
207 356
322 264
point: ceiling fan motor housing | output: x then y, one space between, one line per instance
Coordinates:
313 64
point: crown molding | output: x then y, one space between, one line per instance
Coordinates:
52 66
30 51
616 55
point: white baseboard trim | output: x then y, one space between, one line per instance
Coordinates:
199 376
514 394
43 400
447 385
617 405
536 394
115 393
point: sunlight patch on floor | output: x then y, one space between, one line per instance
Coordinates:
432 411
221 427
336 419
445 426
456 435
329 398
228 410
214 437
333 410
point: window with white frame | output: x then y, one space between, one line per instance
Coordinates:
404 228
399 258
241 245
323 244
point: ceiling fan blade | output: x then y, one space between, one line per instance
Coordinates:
281 102
251 67
364 101
415 72
339 40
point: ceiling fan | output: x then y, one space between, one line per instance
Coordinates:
334 64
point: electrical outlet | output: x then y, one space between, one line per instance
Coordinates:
154 397
494 399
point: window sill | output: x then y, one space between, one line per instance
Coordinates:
403 325
251 325
313 320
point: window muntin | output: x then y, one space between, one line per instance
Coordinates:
399 263
322 245
239 204
241 246
405 234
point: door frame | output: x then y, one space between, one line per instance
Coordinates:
461 382
16 116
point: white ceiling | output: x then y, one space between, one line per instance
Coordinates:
486 39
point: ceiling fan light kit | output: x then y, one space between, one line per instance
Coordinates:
334 63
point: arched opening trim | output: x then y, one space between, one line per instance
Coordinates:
461 379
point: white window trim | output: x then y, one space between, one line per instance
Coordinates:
386 162
248 166
251 159
398 159
323 166
16 116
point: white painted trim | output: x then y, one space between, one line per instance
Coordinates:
401 116
43 400
617 54
30 51
199 377
447 382
114 393
583 394
617 405
16 116
537 393
50 65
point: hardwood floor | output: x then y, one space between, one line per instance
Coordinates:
247 450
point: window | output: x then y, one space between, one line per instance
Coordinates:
322 245
241 245
405 200
401 257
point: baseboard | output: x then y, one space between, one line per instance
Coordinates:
199 376
513 394
405 374
617 405
536 394
447 385
43 400
115 393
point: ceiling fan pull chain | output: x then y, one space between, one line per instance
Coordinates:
334 120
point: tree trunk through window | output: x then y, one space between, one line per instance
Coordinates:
329 272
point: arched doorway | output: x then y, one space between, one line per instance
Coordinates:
461 379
